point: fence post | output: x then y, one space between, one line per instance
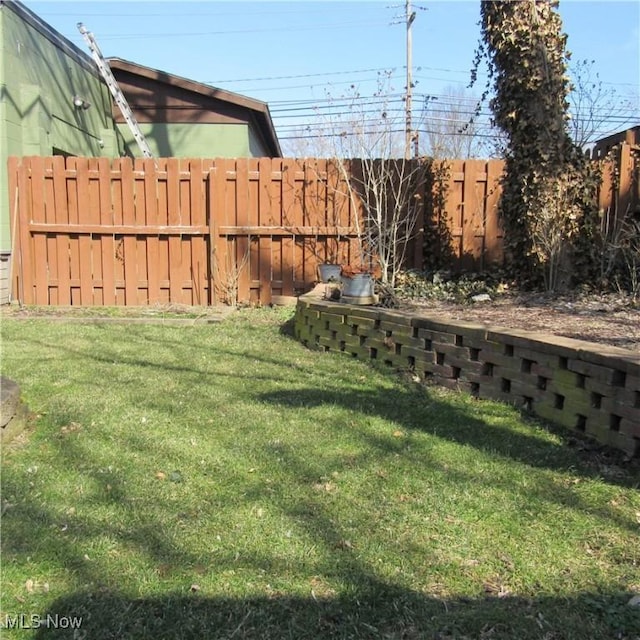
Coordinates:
213 232
24 210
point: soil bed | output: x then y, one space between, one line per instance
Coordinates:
606 319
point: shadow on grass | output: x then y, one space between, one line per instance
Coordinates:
364 606
415 409
373 611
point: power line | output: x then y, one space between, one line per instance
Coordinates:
395 101
193 34
330 73
240 13
300 75
250 90
306 86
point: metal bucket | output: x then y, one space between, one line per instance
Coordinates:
329 272
359 285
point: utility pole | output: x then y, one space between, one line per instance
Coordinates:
410 16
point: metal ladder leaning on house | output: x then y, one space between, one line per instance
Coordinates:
116 92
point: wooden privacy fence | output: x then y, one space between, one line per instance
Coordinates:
94 231
97 231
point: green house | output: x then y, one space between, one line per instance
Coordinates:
54 101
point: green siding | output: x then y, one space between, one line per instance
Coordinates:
190 140
37 83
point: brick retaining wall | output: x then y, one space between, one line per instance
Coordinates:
592 388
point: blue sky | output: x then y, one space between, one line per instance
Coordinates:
290 54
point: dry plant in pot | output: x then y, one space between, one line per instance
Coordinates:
357 281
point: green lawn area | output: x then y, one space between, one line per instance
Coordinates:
223 481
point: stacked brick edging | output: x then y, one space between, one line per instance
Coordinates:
592 388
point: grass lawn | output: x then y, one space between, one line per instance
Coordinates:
222 481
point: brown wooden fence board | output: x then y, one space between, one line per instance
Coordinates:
139 244
212 196
219 244
127 254
290 210
625 189
100 231
197 244
264 218
253 266
90 287
453 207
93 288
300 196
117 198
85 267
61 213
493 230
472 210
36 185
178 214
243 218
51 241
149 249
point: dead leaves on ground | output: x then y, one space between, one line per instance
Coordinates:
36 586
174 476
68 429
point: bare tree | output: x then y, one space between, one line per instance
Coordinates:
449 129
596 111
308 141
367 138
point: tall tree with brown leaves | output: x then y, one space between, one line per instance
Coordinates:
548 189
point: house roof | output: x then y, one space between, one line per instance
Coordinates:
48 32
185 100
603 145
630 136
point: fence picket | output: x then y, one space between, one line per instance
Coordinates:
128 254
264 218
493 252
107 242
242 219
195 246
172 259
289 212
153 217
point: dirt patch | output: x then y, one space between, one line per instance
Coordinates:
605 319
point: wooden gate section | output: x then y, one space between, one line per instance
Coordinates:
273 222
472 211
94 231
